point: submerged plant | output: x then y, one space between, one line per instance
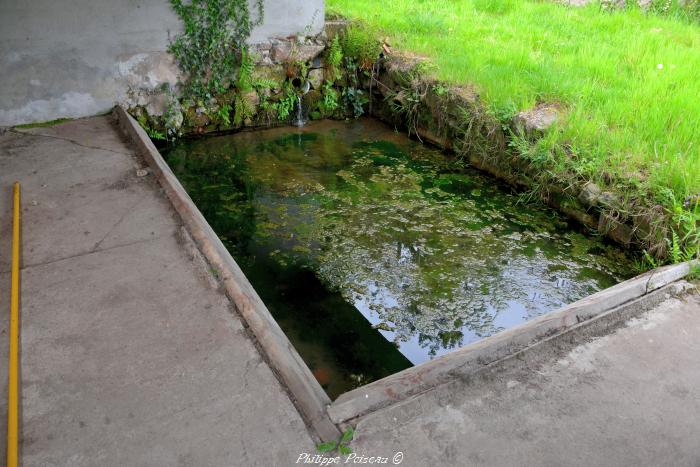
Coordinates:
435 255
399 236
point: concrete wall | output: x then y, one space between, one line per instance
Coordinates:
73 58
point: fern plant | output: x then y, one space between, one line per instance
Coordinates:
243 110
286 104
223 114
684 241
334 58
244 81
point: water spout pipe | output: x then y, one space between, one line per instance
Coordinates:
302 86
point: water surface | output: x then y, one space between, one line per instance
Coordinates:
375 253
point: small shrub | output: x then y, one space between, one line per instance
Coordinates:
155 134
685 222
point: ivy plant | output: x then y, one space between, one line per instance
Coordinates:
213 44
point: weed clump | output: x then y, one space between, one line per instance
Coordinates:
360 44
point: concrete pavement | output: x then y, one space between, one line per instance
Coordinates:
130 355
630 398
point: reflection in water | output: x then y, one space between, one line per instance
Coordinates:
341 217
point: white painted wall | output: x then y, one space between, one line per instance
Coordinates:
74 58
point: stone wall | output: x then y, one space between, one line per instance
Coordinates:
74 58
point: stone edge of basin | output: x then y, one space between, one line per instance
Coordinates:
306 393
308 396
474 357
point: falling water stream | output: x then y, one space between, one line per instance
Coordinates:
299 122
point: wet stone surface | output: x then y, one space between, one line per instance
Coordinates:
375 253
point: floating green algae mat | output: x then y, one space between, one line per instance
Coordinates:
374 252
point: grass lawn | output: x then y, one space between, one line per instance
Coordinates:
629 81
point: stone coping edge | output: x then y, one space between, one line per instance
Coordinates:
307 395
310 399
476 356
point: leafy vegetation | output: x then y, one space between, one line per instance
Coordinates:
244 80
334 59
341 445
43 124
152 133
223 115
684 244
285 106
361 45
329 102
355 100
212 46
155 134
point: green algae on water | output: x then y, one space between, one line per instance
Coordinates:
374 252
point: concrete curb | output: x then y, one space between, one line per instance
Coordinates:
472 358
307 394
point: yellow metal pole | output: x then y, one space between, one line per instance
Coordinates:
13 383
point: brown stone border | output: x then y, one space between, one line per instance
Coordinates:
307 394
595 312
472 358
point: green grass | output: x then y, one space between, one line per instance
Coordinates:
43 124
627 80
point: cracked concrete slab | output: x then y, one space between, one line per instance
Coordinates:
130 354
627 398
90 195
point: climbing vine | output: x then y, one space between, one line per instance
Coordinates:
213 44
